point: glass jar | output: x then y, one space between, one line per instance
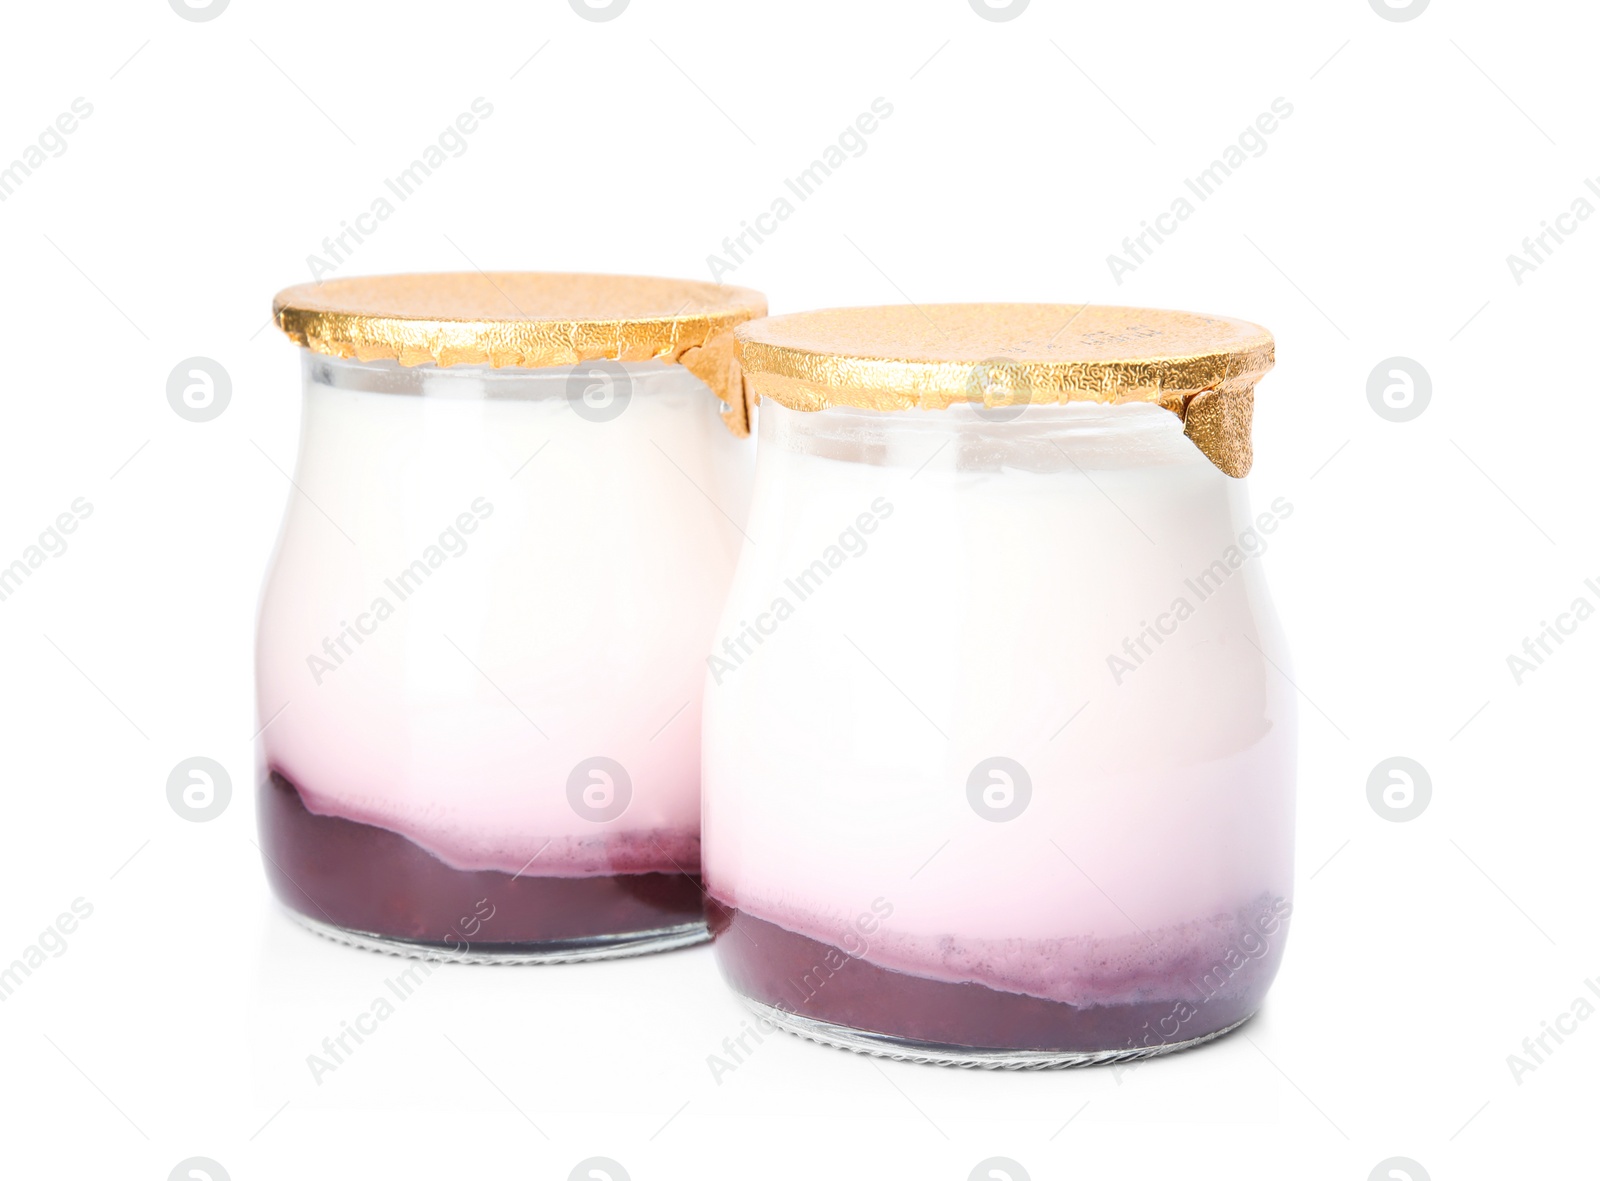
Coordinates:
999 746
514 515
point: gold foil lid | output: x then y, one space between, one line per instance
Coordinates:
1202 368
530 321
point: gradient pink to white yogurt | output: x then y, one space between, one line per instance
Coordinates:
976 622
572 624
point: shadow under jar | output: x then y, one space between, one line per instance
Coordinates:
999 751
480 655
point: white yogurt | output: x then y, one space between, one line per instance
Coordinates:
477 590
981 589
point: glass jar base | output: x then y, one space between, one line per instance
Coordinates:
880 1045
554 951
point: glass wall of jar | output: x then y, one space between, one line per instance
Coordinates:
514 514
999 745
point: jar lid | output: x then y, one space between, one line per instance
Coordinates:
1202 368
528 320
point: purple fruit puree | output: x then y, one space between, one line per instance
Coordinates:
369 880
777 967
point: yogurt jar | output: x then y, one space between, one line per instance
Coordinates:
516 508
999 750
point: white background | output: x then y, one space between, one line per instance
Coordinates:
1020 153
